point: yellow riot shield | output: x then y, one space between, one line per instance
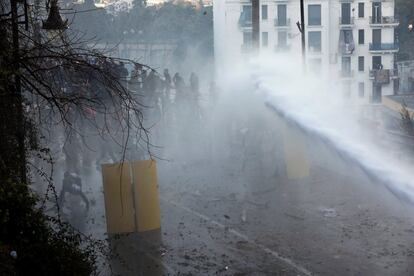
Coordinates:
147 207
296 157
131 196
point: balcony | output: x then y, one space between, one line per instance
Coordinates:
383 21
246 48
245 23
383 47
384 76
346 74
282 22
346 22
392 73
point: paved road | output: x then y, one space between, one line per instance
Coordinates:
229 206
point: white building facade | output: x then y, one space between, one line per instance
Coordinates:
351 40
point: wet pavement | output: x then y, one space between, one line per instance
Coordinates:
235 210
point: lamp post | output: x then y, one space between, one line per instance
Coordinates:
256 25
53 22
302 30
301 27
18 102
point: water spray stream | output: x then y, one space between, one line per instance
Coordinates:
323 112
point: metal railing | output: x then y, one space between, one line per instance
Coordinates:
285 22
383 46
282 48
245 21
393 73
383 20
346 21
245 48
315 50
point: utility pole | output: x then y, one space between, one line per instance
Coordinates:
301 27
302 30
256 25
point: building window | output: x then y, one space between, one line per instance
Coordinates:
314 15
315 65
361 37
264 12
265 39
245 19
346 42
281 15
282 39
346 13
377 62
315 41
361 89
347 89
346 66
247 38
376 12
376 36
361 12
361 64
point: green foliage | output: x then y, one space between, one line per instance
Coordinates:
44 245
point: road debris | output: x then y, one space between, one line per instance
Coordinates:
328 212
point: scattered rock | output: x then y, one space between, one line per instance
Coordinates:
328 212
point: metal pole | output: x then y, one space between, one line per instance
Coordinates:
303 33
256 24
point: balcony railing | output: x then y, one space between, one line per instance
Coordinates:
279 22
384 20
245 23
384 47
282 48
393 73
346 21
246 48
382 76
315 50
346 73
245 20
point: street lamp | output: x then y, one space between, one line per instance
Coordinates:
54 21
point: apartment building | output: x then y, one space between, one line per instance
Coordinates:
350 40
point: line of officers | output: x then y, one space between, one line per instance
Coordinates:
157 90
